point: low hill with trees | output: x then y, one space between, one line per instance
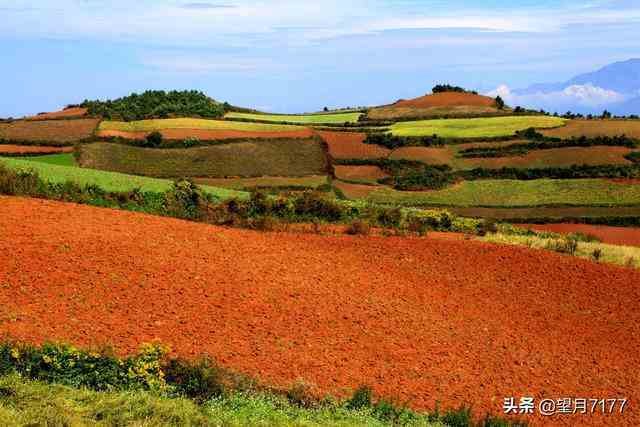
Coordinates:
155 104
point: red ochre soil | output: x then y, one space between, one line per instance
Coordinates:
447 99
614 235
419 319
62 114
30 149
206 135
350 145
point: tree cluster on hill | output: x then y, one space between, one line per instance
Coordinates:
156 104
448 88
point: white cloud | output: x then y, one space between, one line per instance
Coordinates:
185 63
575 96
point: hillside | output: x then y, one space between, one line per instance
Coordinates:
320 309
449 104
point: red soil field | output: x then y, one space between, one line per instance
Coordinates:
420 319
32 149
360 173
556 157
48 131
428 155
208 135
355 191
347 145
625 236
63 114
594 128
447 99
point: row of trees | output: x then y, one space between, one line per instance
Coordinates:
156 104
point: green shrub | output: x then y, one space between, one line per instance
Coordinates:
566 245
153 140
184 199
596 254
362 398
191 141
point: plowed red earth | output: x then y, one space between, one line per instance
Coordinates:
421 319
614 235
350 145
30 149
62 114
207 135
447 99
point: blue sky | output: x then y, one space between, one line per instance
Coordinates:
296 56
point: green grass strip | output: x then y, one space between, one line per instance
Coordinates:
108 181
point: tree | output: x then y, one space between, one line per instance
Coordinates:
606 114
499 102
325 109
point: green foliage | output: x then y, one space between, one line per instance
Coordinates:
499 102
190 142
439 88
633 157
393 141
153 140
156 104
185 199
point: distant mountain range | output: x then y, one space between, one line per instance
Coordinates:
615 87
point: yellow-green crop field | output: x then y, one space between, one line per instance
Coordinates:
485 127
189 123
308 119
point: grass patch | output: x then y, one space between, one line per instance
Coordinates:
190 123
323 118
621 255
515 193
474 128
108 181
65 159
243 159
305 182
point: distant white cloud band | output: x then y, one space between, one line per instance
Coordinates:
575 96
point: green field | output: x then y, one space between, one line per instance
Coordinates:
65 159
108 181
287 158
474 128
312 181
308 119
512 193
188 123
31 403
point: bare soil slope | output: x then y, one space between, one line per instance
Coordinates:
421 319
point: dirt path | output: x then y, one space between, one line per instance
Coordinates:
423 320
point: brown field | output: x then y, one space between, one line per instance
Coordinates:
346 145
355 191
493 144
447 99
295 157
57 132
593 128
548 213
32 149
423 320
208 135
312 181
67 113
428 155
363 174
555 157
624 236
452 104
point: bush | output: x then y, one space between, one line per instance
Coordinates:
362 398
20 182
191 141
184 200
153 140
418 225
389 218
486 226
566 245
596 254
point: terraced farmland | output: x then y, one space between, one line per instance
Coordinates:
595 128
287 158
513 193
108 181
474 128
48 132
307 119
189 123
